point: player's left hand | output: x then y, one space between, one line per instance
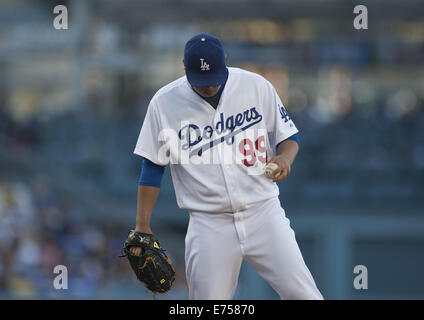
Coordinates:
284 167
152 267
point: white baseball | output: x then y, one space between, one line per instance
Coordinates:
270 169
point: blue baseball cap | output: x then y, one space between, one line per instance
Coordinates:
204 61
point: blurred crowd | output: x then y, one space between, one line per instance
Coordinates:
38 231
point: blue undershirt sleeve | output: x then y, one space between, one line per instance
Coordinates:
151 174
294 137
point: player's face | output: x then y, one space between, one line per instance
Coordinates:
207 92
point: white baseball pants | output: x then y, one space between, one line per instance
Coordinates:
217 243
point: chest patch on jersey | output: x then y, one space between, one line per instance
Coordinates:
225 129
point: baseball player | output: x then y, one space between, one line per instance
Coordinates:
220 128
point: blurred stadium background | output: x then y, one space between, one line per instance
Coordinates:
72 103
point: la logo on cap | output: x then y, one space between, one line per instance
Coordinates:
203 65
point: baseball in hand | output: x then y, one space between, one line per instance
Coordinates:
270 169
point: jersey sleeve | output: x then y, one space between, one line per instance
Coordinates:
149 144
279 124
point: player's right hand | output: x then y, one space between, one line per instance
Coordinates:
284 167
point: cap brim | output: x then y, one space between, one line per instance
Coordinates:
205 80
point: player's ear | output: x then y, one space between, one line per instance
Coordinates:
183 65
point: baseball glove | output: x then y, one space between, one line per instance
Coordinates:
152 267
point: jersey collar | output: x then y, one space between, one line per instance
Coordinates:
220 89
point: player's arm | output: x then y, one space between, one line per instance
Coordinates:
146 199
148 190
286 153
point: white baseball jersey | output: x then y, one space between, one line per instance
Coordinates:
217 156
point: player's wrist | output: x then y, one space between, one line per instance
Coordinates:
283 161
143 229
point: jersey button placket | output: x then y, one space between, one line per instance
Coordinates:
225 168
232 178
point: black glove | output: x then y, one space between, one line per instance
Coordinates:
152 267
